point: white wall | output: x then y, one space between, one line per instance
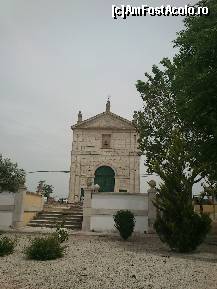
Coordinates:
104 205
122 201
5 219
7 198
6 209
105 223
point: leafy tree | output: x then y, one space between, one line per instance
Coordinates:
178 128
210 190
171 149
45 189
195 82
48 190
11 177
158 121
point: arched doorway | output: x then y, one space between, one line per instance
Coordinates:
105 178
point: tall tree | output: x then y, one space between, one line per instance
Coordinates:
178 129
159 119
11 177
171 149
195 82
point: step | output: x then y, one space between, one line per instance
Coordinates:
73 215
76 217
62 213
53 212
46 217
55 222
73 227
59 217
50 214
54 226
42 216
72 218
72 211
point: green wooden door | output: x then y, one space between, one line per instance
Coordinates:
105 178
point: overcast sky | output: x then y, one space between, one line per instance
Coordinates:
61 56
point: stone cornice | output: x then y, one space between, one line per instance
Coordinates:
105 128
113 115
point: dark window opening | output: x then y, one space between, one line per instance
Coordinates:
106 141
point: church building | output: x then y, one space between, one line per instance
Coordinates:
104 152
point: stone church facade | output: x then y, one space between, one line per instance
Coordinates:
104 152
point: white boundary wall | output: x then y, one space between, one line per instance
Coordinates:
17 209
98 214
120 201
6 209
106 224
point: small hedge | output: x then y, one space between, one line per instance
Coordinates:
6 246
125 223
47 248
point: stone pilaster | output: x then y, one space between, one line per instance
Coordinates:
87 209
17 221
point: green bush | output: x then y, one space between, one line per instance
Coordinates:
6 246
125 223
183 230
47 248
61 234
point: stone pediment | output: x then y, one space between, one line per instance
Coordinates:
105 120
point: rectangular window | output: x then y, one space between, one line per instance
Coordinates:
106 141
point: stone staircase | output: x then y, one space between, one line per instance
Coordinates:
72 217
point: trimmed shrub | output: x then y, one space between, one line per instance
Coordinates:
124 223
47 248
6 246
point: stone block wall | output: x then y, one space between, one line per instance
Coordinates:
87 155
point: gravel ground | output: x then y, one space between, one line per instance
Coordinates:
106 262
